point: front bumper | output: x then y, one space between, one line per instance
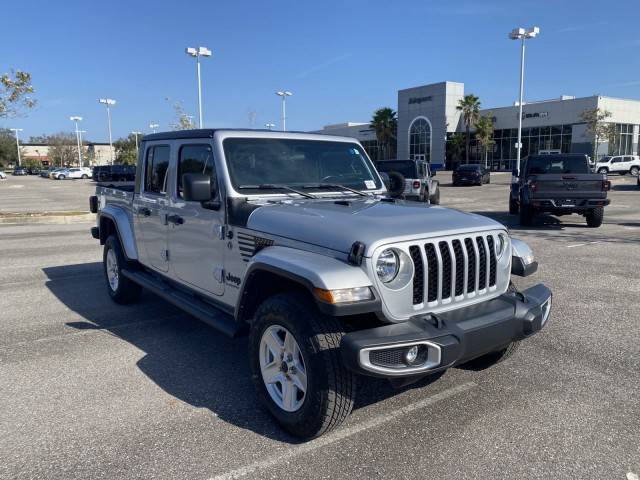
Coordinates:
449 338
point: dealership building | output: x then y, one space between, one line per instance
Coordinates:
428 118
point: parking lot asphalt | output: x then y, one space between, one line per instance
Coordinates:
90 389
32 193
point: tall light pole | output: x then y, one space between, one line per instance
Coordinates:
136 135
16 130
76 120
80 132
109 102
197 53
153 126
269 126
521 34
284 94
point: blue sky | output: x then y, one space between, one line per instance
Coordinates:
341 59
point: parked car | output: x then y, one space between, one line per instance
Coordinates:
114 173
411 179
20 171
471 174
44 173
292 238
33 170
55 170
60 174
559 184
3 176
621 164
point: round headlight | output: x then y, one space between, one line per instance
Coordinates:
387 266
501 244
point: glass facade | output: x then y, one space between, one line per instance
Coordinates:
373 149
622 141
420 140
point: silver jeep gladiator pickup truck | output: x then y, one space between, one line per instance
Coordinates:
291 238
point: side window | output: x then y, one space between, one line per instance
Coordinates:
195 159
616 159
628 159
155 171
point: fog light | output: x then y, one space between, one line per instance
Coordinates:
411 355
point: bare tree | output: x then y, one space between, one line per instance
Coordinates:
598 127
15 93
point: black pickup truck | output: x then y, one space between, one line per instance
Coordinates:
559 184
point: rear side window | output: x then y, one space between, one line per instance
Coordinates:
557 164
195 159
156 165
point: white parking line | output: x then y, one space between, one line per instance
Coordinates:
341 434
583 244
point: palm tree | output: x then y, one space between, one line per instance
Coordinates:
470 108
484 134
385 124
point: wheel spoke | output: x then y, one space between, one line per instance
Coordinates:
288 395
274 342
271 372
300 379
290 343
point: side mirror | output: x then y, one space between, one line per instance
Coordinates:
385 179
196 187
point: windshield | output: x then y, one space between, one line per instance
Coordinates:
468 168
557 164
407 169
296 163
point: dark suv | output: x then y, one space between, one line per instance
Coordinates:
114 173
471 174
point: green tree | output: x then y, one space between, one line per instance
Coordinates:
183 121
470 108
484 135
126 153
8 150
63 149
597 127
385 123
15 93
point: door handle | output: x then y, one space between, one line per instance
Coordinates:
144 211
175 219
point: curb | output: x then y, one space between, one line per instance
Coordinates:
51 219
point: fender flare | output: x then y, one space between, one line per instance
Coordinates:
310 270
122 223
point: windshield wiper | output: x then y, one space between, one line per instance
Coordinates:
269 186
335 185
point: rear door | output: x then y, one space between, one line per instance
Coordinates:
150 207
196 240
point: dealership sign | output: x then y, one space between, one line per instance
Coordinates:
535 115
420 100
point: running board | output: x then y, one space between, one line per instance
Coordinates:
203 311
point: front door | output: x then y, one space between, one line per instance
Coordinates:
617 164
196 240
150 209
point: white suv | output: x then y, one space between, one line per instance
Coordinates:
83 172
621 164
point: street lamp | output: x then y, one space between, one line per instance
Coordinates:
16 130
108 102
153 126
269 125
284 94
80 132
521 34
136 135
197 53
76 120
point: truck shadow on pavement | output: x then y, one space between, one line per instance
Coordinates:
184 357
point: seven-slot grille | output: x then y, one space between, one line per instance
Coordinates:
453 268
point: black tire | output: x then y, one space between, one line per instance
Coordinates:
84 177
397 184
514 209
490 359
435 198
634 171
331 388
61 177
603 170
594 217
489 179
526 215
125 291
